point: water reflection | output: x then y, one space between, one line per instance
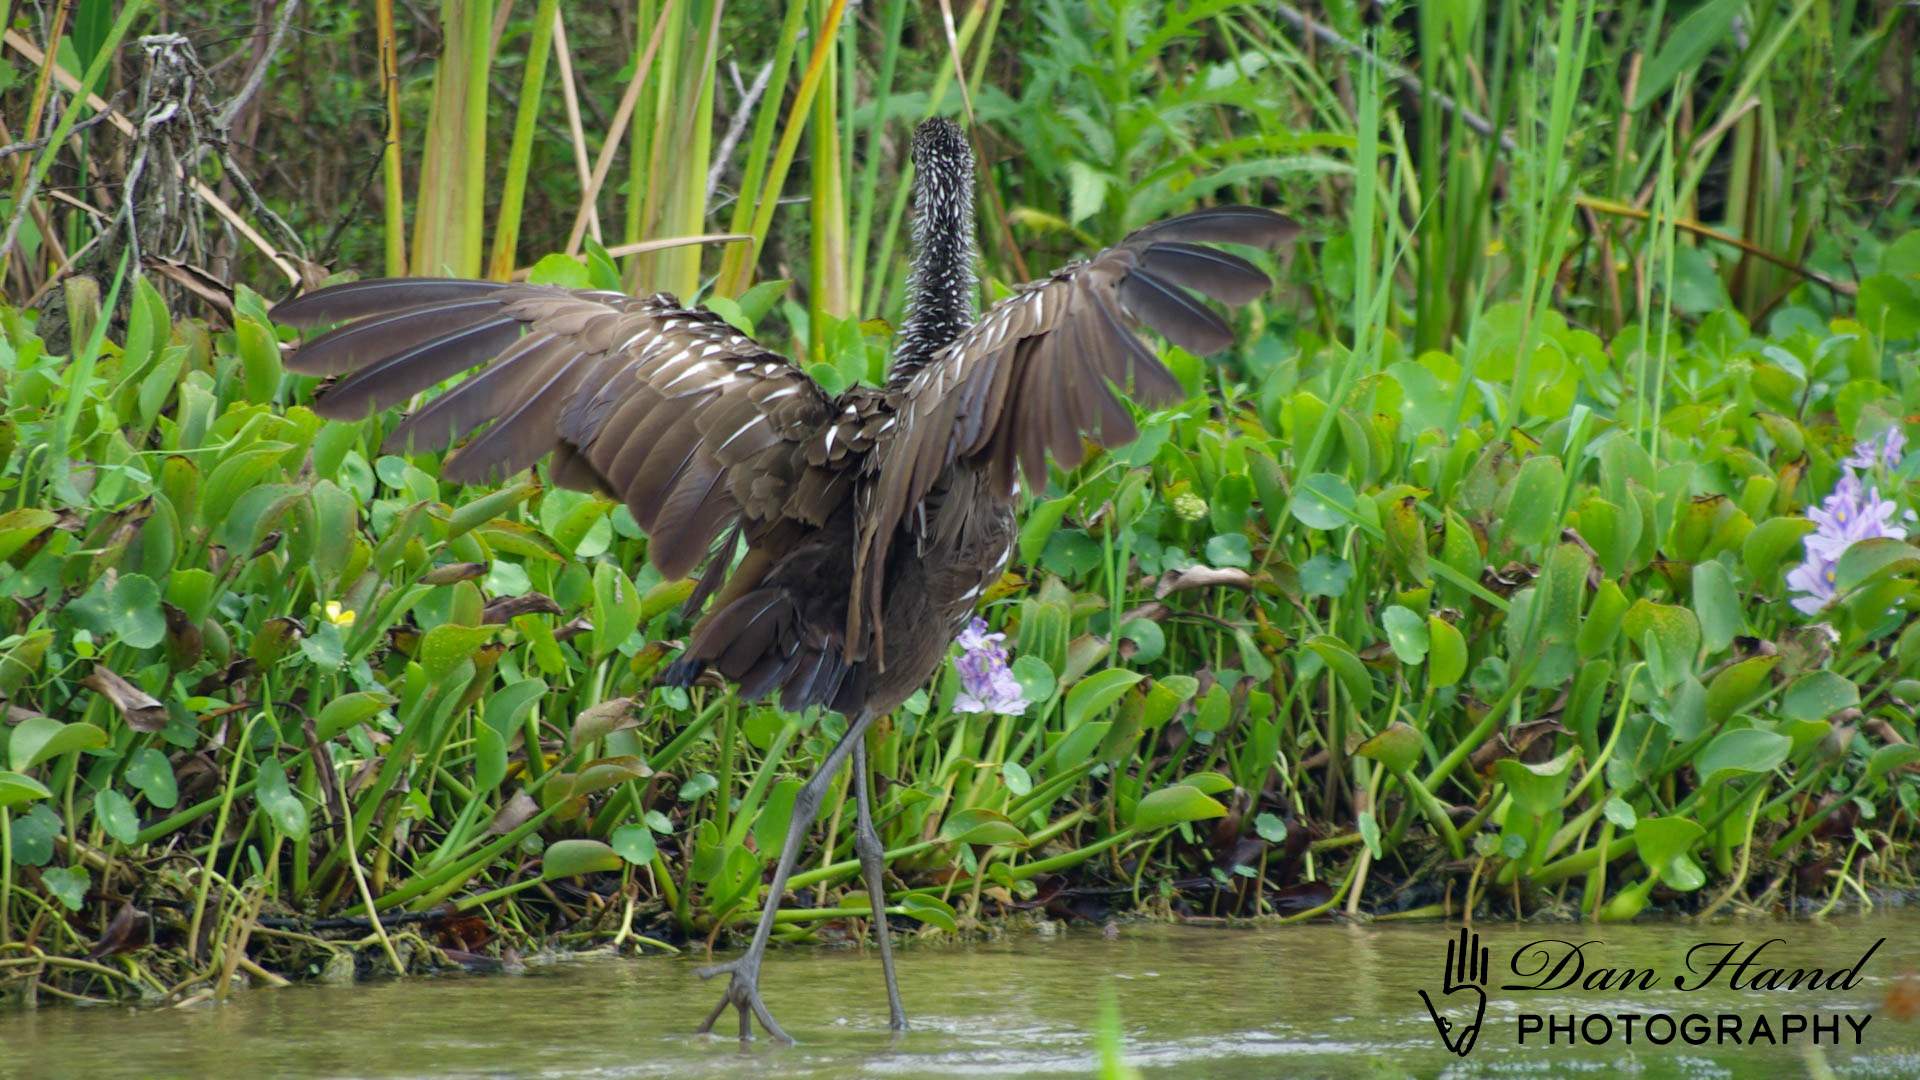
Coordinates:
1310 1001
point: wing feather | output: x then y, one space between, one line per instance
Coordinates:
670 409
1038 371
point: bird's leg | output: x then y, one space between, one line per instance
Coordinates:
743 988
873 864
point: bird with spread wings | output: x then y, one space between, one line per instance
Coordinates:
842 540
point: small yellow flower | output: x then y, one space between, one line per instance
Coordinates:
337 615
1189 506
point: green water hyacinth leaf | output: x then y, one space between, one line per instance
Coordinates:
1271 829
1889 758
68 885
1014 775
1207 782
571 858
1165 697
1406 634
1674 634
447 646
1230 549
979 825
1748 750
616 608
489 758
634 843
16 789
1397 747
930 910
116 816
1536 789
1324 501
260 366
1663 844
1325 575
1533 505
1093 695
149 771
1035 678
1717 605
1818 695
42 738
1874 560
19 526
1447 653
1771 543
349 710
1173 805
1737 684
276 797
1345 665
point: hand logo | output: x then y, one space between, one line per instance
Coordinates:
1467 965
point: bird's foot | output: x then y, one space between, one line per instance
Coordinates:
743 993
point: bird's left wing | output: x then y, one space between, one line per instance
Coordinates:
1040 368
692 424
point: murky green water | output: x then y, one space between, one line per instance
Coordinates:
1309 1001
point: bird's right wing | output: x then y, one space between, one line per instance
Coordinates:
1040 368
693 425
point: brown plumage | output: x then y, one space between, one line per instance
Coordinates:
699 430
872 520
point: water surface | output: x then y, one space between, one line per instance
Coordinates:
1194 1002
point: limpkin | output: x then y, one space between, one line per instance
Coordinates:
872 520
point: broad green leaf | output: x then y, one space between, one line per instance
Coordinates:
1532 510
16 789
1345 665
41 738
447 646
1014 775
930 910
568 858
1042 522
116 815
19 526
68 884
1888 758
1397 747
1737 684
1770 543
1746 750
1447 652
1324 501
277 798
150 771
1406 634
1536 789
1092 695
489 758
1717 605
979 825
1172 805
634 843
347 710
1819 695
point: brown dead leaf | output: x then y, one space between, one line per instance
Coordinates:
142 711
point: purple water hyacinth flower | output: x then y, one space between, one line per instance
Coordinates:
1845 517
1814 580
987 684
1884 449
